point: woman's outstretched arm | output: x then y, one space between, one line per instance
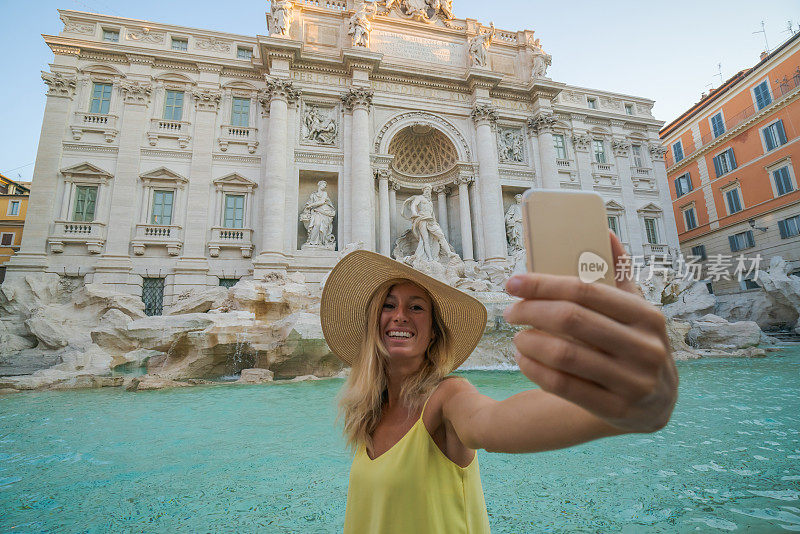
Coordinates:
600 355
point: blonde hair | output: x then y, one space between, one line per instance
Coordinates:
362 397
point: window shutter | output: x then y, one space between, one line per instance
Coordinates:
678 190
768 139
717 167
732 158
688 182
750 241
782 227
782 139
732 241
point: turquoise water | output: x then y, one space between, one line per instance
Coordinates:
269 459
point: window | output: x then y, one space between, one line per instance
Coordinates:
240 114
613 224
180 44
13 207
173 106
783 181
7 239
628 109
112 36
101 98
690 219
789 227
592 103
638 160
677 151
761 95
724 163
85 200
651 230
748 283
733 201
599 150
683 184
162 208
244 53
153 295
774 135
742 241
234 211
561 148
699 252
228 282
718 124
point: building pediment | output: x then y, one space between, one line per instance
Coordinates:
650 208
162 174
613 205
102 70
86 169
235 181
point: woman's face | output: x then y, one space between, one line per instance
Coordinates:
406 321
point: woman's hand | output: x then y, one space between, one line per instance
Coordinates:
602 348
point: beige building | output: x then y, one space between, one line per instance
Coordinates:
173 158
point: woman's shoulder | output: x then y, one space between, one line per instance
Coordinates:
449 386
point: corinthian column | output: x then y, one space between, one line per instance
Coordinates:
491 195
466 217
362 204
273 193
385 224
441 193
543 124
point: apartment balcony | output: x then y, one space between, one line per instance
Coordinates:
94 122
641 172
238 135
155 235
91 234
565 165
168 129
643 179
602 168
241 238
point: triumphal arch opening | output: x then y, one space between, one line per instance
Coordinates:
175 158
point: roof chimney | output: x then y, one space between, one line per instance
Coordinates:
764 54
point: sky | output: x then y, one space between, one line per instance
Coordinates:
668 52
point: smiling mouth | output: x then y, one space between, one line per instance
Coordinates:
393 334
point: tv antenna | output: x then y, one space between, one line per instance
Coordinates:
764 31
719 72
790 28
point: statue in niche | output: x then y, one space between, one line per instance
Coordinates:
479 47
282 17
317 216
432 242
541 59
360 24
320 128
514 233
511 145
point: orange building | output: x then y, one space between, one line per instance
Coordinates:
13 207
731 168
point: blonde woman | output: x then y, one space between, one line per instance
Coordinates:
599 354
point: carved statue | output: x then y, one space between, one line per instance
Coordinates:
510 144
514 226
421 10
282 17
321 129
317 216
432 245
541 59
360 25
479 47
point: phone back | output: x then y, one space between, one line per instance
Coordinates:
566 233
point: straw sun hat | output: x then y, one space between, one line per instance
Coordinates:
354 280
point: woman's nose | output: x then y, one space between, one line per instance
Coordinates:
399 315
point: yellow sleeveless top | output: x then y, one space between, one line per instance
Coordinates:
414 487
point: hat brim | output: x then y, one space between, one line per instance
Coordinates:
353 281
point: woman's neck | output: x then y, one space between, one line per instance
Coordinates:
397 376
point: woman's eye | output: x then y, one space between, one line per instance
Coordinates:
417 308
387 305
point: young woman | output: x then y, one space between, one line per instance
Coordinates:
599 354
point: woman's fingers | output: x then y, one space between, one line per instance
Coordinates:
567 319
617 304
592 397
583 362
623 270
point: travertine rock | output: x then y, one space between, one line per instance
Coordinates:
782 288
691 302
50 328
112 332
256 376
714 332
97 296
150 383
199 301
162 333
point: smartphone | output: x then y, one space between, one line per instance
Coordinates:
566 233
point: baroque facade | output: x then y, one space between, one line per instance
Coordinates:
197 157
